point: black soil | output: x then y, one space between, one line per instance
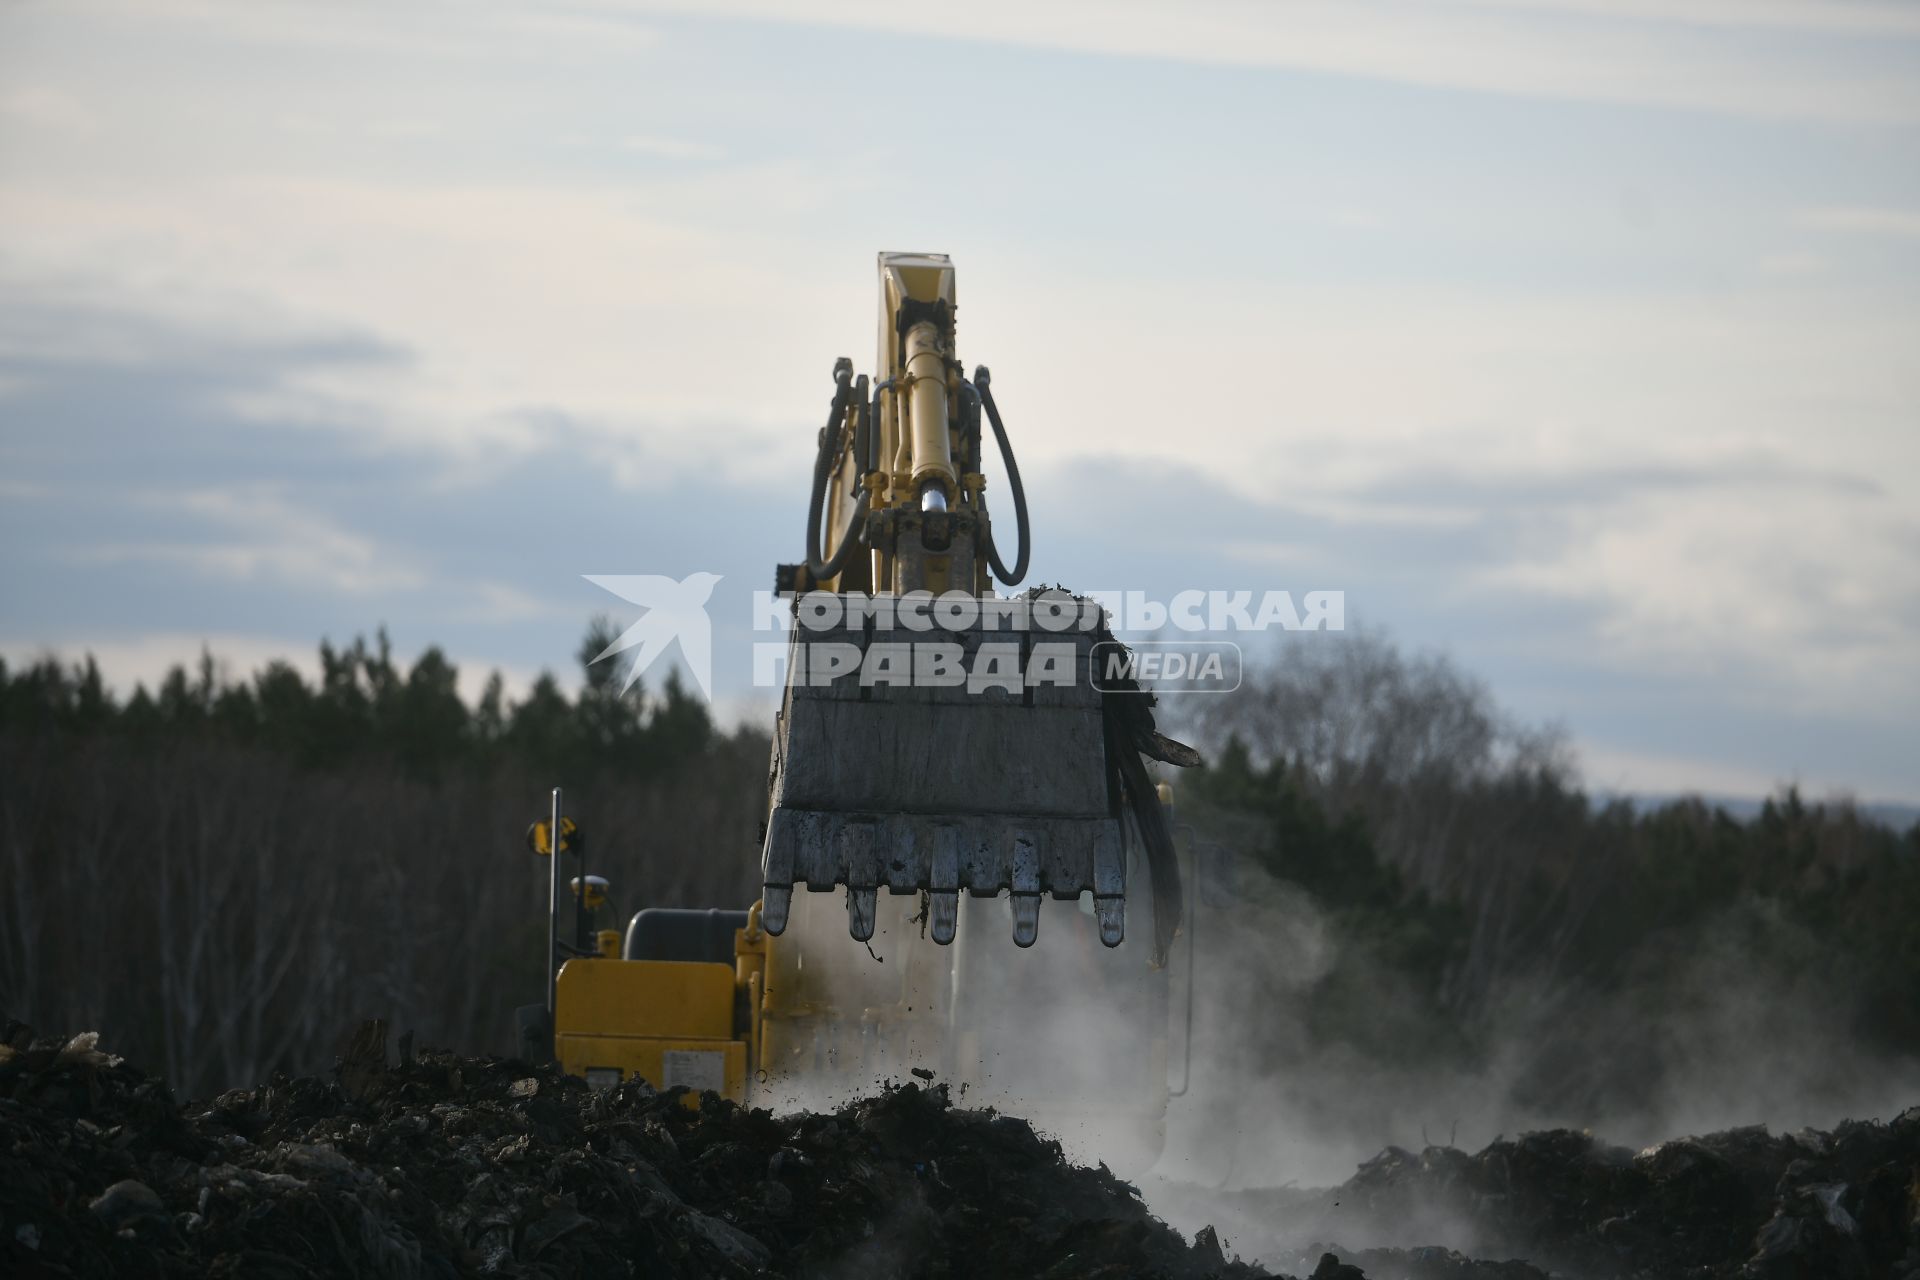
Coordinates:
450 1166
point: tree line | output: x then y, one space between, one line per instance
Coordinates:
225 872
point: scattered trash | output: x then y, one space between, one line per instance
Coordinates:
127 1201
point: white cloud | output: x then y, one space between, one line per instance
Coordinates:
1832 17
1317 392
1789 265
261 535
1886 222
503 602
1579 51
671 148
43 108
1802 597
448 30
258 535
512 299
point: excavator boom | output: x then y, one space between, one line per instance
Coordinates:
933 738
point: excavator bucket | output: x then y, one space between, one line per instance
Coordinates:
981 768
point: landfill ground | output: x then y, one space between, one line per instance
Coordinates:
440 1165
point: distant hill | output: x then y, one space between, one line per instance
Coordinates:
1899 817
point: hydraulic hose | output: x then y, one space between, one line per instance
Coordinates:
983 382
819 566
969 426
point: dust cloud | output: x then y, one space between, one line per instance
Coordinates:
1092 1047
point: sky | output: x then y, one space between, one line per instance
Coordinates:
1573 340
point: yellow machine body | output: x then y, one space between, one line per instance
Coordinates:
672 1023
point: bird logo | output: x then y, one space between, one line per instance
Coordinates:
673 611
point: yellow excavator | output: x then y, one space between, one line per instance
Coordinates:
947 756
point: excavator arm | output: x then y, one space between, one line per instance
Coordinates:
1016 775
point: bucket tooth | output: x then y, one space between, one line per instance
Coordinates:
860 905
1110 888
1024 881
1026 919
775 899
776 872
944 910
943 882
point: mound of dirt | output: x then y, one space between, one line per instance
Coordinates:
445 1166
1744 1203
